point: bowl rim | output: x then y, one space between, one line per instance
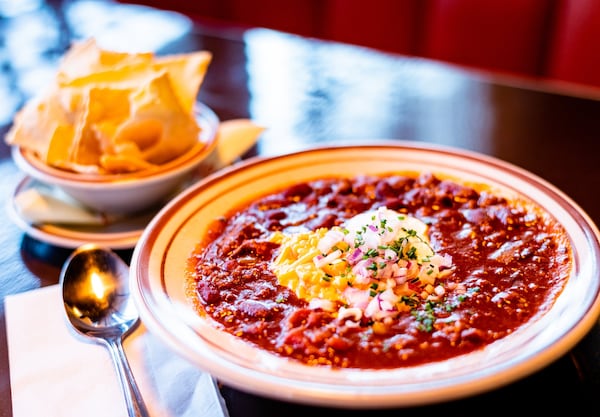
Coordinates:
150 288
208 121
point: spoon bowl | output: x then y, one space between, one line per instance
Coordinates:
95 290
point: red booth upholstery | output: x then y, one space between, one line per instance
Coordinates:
575 52
506 35
545 39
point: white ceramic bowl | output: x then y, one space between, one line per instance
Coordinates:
131 192
158 269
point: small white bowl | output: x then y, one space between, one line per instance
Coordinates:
130 192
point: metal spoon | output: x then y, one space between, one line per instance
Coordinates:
95 290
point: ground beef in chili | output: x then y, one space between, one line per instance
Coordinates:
511 261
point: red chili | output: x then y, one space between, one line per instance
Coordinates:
508 268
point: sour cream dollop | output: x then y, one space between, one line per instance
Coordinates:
372 266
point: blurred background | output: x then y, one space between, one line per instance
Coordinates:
554 41
547 44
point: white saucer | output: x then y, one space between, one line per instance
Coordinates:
120 234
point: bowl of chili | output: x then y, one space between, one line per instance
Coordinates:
369 276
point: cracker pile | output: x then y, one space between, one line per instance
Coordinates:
113 112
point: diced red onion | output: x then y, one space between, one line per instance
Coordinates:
317 303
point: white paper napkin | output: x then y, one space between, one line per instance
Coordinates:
54 373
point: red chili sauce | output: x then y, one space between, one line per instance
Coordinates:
512 259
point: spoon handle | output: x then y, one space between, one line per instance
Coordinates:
133 398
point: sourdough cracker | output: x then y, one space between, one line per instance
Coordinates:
113 112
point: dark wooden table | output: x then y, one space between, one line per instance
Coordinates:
309 92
